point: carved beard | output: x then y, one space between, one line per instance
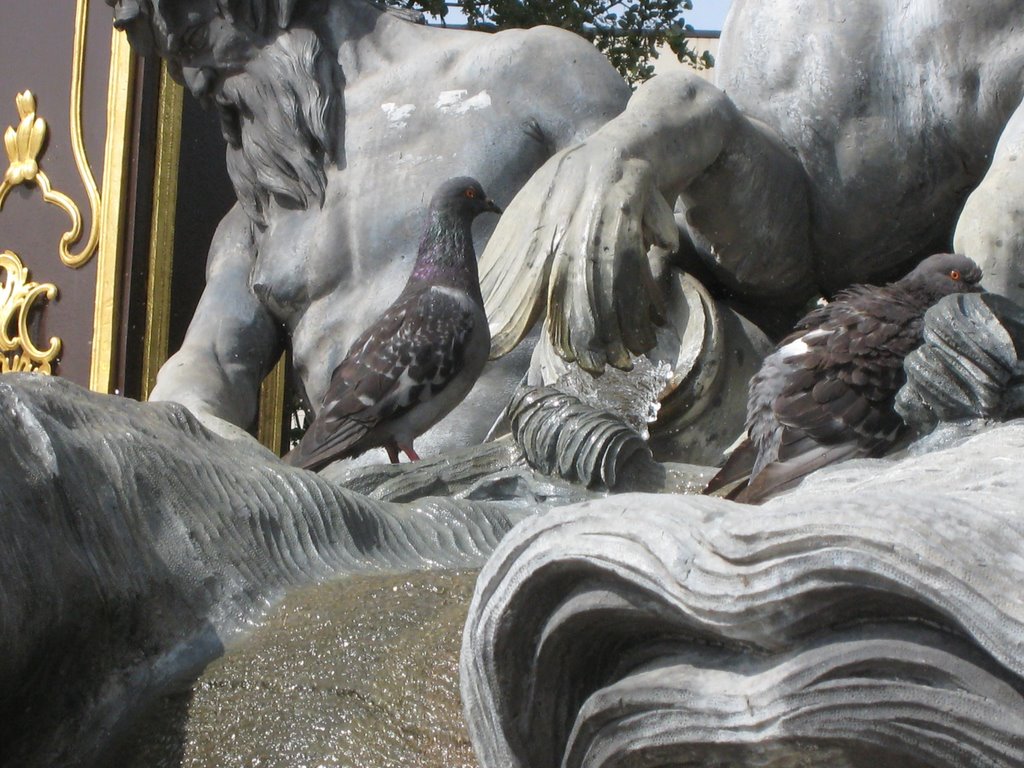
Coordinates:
278 118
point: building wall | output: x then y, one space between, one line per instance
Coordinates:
65 109
700 41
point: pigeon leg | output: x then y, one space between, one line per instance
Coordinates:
392 450
410 452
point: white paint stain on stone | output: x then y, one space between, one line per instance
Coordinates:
449 100
398 115
456 103
412 160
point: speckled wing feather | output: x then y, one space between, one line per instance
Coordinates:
828 392
852 367
403 360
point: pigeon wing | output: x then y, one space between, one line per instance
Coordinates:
781 475
826 394
841 386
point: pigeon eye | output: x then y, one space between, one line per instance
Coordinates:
954 274
470 193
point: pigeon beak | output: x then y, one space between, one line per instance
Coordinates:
490 205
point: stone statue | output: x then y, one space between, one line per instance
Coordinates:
113 589
842 627
839 146
340 119
796 175
871 617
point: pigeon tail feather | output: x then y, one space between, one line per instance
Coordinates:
736 468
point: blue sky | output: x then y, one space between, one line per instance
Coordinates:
707 14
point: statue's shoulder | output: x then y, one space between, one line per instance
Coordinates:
233 241
545 45
550 60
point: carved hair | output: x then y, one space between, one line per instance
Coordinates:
280 115
281 118
261 16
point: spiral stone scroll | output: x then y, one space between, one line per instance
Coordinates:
970 365
561 435
873 617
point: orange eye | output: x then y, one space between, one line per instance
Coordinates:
954 275
471 193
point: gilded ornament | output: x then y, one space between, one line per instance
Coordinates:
23 145
18 296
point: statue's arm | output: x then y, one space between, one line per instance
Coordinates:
577 235
991 226
575 243
232 341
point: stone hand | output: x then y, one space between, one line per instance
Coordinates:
577 237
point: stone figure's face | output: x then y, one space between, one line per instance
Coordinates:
202 41
200 45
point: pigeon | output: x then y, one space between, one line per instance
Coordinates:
827 391
420 358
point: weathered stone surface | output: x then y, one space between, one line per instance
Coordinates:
893 109
991 226
562 436
872 617
135 542
969 366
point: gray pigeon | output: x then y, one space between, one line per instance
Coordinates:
827 392
418 361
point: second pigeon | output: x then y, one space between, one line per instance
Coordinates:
827 392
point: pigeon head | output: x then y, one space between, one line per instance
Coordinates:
447 239
463 197
941 275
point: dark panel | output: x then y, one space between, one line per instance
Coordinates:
37 56
138 228
205 195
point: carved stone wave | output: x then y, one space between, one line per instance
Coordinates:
135 542
872 617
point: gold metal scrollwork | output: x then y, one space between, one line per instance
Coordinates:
23 145
17 296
